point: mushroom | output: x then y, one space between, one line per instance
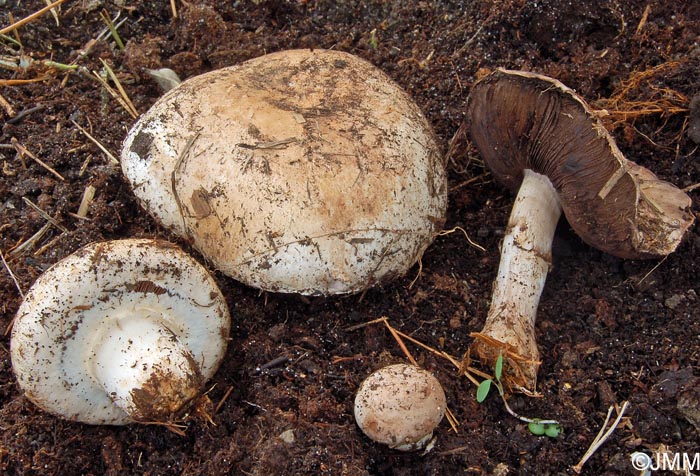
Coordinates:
400 406
119 332
305 171
538 137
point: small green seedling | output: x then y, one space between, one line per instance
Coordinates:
550 428
538 428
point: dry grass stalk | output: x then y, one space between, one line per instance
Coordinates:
88 195
7 106
601 437
31 241
113 160
19 82
49 245
45 215
223 399
33 16
12 275
643 20
22 151
121 96
54 12
19 289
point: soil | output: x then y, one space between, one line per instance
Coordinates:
609 330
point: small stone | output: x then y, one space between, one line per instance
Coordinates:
501 469
674 301
287 436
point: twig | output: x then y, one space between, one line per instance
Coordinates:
467 182
31 17
420 271
111 157
367 324
652 270
223 399
49 245
23 151
403 347
31 241
45 215
601 437
19 82
24 113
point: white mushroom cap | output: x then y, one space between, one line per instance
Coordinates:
400 405
118 332
298 171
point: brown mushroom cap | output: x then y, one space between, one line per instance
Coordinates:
520 120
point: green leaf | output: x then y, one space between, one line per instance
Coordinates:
499 367
483 390
536 428
552 431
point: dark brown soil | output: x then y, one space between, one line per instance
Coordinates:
610 330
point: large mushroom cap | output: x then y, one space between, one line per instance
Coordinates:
299 171
58 335
520 120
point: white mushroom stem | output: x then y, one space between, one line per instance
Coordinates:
144 367
525 260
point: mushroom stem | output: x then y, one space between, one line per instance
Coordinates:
144 367
525 260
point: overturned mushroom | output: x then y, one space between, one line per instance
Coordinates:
119 332
304 171
537 135
400 406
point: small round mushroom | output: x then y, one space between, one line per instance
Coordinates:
305 171
400 406
119 332
538 137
